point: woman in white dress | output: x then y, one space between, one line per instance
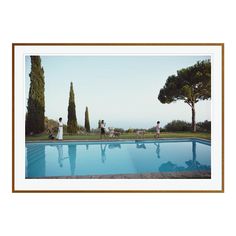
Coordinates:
60 130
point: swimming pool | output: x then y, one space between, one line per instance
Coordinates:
65 159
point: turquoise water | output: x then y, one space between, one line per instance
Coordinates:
116 157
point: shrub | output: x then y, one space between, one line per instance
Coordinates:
153 129
178 125
119 130
50 123
204 126
129 131
80 128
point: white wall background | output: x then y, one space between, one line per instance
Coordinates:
116 21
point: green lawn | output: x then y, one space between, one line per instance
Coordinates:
124 136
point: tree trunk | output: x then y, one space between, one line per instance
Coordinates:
193 118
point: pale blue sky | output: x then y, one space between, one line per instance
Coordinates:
122 90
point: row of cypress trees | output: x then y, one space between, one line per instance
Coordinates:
36 103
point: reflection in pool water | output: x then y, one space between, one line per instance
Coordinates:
127 157
192 164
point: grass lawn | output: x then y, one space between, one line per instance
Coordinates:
124 136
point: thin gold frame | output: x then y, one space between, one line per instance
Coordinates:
113 191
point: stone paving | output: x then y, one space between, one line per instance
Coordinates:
160 175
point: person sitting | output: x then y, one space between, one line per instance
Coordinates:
50 134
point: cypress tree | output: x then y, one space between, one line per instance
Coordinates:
36 100
86 123
72 121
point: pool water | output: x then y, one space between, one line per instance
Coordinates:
116 157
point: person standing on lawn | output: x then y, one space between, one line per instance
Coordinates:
60 130
158 129
102 129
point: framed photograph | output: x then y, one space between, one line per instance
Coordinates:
118 117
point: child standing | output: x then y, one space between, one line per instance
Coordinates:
158 129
